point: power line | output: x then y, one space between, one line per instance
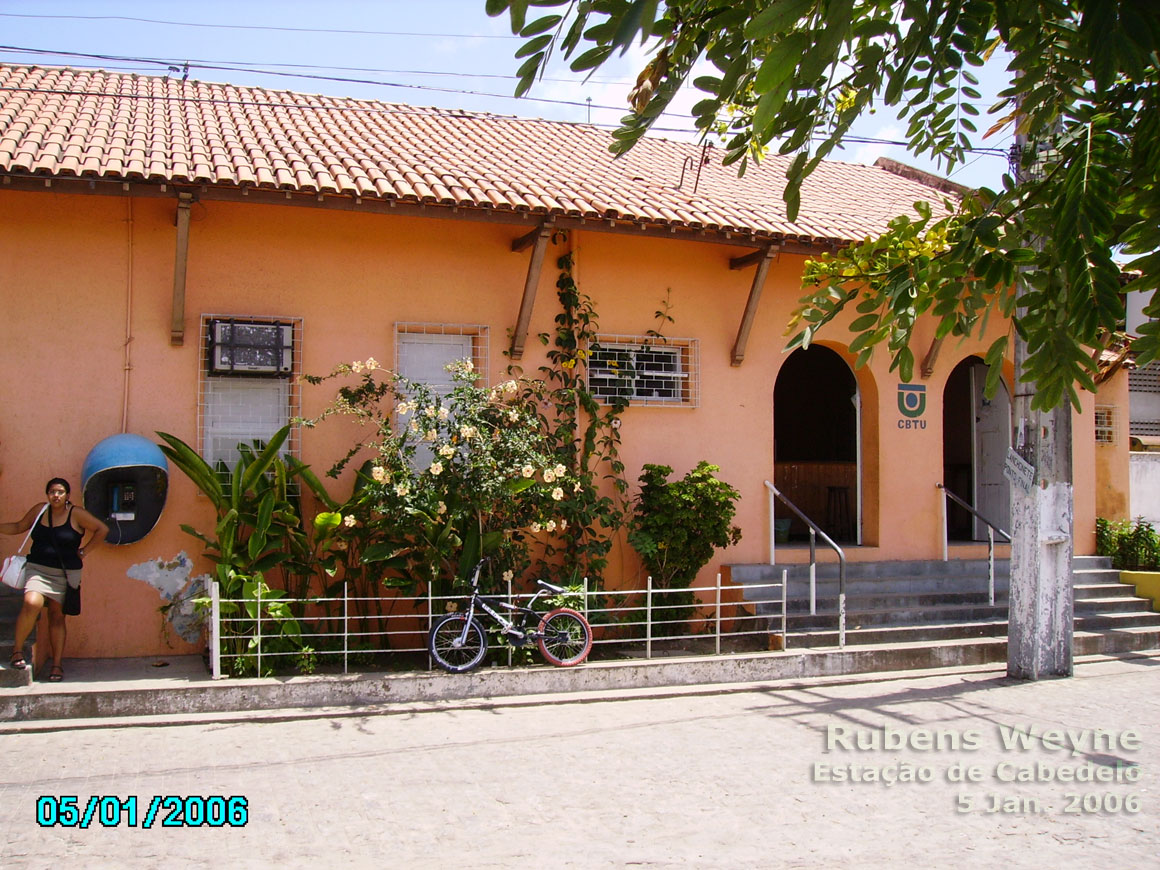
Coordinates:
223 67
259 26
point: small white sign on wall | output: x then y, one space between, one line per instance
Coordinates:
1019 471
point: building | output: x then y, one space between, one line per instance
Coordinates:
143 215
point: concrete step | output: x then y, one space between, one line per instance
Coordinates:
1112 621
1121 640
1081 563
889 617
895 634
1101 575
1105 590
1115 604
10 604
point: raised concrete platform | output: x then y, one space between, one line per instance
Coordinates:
104 688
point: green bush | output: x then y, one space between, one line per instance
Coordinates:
675 527
1132 546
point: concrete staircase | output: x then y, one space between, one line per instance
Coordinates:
10 602
932 601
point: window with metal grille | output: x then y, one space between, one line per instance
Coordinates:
1145 379
239 406
1107 424
644 371
423 351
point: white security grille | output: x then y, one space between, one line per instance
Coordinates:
1107 424
645 371
1145 379
237 408
423 350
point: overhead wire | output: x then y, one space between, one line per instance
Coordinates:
269 27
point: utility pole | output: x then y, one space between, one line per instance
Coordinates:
1040 623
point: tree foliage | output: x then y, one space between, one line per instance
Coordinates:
792 76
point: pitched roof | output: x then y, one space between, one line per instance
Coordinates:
61 122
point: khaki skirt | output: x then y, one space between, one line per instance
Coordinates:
49 582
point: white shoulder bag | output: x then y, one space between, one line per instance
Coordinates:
14 565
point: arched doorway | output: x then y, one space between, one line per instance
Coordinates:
816 417
976 435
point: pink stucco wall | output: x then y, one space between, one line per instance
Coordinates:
81 275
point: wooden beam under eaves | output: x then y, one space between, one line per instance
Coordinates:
180 261
762 259
538 240
931 358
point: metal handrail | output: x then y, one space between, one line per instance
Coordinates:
814 532
991 529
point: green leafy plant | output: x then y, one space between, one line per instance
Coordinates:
451 479
1132 546
255 533
584 436
675 527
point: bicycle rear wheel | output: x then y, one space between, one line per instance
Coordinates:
444 643
565 637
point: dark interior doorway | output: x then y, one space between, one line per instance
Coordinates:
816 442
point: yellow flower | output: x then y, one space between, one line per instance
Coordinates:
379 474
444 413
549 476
557 494
507 576
356 367
349 521
436 469
550 525
527 471
560 470
535 527
401 489
446 451
430 435
372 363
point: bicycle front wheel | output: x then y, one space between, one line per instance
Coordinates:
453 649
565 637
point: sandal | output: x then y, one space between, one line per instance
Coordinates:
56 675
17 661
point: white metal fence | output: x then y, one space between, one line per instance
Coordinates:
640 623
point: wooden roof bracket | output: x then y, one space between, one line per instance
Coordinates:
177 325
537 239
931 358
762 259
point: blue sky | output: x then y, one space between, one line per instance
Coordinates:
445 53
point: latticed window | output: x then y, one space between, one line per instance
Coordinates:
1107 424
423 351
247 383
644 371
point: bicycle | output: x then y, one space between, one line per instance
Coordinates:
458 641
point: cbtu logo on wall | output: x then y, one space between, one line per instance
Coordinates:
912 405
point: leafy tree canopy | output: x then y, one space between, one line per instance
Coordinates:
792 76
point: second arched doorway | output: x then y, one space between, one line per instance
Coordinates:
816 417
976 435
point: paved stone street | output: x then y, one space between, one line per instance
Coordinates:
722 777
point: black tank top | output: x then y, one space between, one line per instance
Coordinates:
67 541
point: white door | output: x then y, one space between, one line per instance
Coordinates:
992 437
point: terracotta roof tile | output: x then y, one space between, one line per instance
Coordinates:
60 121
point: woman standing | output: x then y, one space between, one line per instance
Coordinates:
58 546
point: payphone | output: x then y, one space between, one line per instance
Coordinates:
125 482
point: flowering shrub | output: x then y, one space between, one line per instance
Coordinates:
451 479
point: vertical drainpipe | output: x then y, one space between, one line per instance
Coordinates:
177 326
128 364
